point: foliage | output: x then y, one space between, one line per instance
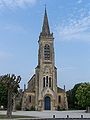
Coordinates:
11 82
72 100
58 108
3 95
18 107
83 95
4 92
32 108
79 96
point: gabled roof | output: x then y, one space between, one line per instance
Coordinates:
60 90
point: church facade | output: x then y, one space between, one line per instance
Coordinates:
42 92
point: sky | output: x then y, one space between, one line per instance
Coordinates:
20 27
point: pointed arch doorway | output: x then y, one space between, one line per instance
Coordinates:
47 103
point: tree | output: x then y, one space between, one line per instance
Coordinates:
83 95
72 100
3 95
12 84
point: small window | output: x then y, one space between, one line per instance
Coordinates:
47 52
44 82
49 81
59 99
30 99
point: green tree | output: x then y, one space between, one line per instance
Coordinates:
72 100
11 82
3 95
83 95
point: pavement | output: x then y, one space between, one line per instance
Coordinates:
49 114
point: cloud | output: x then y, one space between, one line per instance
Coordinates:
79 1
76 29
12 28
4 55
16 3
67 68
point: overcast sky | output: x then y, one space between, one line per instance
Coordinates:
20 27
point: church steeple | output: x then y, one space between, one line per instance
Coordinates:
45 27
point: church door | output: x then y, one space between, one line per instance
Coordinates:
47 103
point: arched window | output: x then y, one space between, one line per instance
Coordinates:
44 82
47 52
30 99
59 99
49 81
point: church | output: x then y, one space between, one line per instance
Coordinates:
42 92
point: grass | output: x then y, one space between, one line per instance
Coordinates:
14 116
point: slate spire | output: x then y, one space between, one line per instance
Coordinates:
45 27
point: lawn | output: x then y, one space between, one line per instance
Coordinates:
14 116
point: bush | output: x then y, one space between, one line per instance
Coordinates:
32 108
18 107
58 108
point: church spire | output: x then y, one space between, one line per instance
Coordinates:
45 27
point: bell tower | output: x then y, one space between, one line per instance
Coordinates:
46 47
46 72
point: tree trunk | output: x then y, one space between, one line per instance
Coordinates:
9 107
88 109
14 103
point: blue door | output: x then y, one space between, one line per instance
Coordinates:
47 103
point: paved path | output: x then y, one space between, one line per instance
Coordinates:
49 114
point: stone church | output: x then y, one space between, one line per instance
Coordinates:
42 92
